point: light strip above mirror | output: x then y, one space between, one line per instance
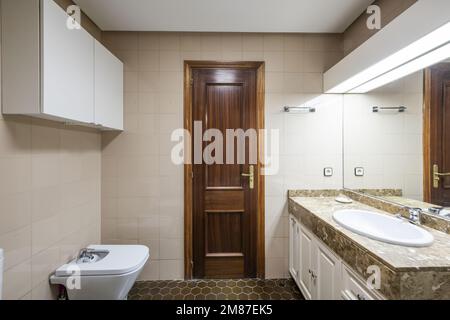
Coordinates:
415 65
422 28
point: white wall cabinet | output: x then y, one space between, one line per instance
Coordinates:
108 88
53 72
319 272
67 67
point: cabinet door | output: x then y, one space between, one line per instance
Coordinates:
108 89
67 67
296 256
294 248
305 257
292 226
326 274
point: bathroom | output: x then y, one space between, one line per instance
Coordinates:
100 106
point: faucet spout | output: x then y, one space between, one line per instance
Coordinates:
415 215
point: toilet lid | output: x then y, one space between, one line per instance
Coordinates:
121 259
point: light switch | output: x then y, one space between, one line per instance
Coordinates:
328 172
359 172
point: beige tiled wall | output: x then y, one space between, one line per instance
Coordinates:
387 145
49 200
142 192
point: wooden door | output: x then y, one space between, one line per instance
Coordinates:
224 204
438 85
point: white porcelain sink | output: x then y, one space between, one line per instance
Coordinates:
383 227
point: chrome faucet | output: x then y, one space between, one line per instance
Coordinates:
86 253
414 215
440 211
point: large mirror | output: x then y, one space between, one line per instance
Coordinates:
397 141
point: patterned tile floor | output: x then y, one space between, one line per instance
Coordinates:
248 289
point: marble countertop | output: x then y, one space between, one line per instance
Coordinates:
408 202
399 258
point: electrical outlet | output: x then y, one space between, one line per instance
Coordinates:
359 172
328 172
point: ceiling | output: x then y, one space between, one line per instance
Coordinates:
326 16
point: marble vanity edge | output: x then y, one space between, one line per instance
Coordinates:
351 253
404 283
314 193
381 192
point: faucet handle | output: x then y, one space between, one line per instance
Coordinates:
414 215
85 252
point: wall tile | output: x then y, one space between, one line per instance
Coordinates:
16 209
294 42
148 60
273 42
15 137
232 42
17 281
43 264
130 60
169 41
190 41
171 269
148 41
253 42
45 233
16 246
293 61
170 249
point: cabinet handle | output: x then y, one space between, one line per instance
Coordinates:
313 275
360 297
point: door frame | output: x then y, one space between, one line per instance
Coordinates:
429 115
427 180
259 67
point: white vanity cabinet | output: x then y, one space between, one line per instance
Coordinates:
306 255
318 271
54 72
294 250
327 273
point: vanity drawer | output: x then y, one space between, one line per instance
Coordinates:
353 287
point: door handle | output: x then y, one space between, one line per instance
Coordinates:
251 177
437 175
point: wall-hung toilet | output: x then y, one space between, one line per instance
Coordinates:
102 272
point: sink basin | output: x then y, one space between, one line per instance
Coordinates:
383 227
